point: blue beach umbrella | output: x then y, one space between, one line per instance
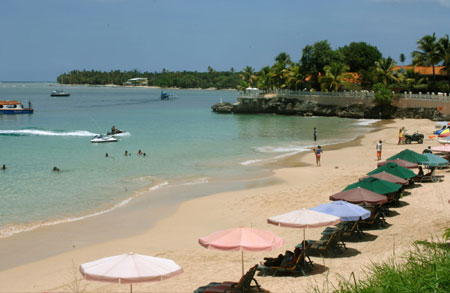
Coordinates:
345 210
435 161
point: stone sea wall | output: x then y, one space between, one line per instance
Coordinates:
311 106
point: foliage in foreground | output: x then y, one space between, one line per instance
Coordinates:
426 268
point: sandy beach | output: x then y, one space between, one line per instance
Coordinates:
423 213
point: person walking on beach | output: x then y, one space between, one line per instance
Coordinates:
400 136
379 147
315 134
318 153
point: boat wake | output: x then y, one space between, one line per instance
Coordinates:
36 132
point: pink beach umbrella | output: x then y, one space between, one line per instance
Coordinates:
304 219
242 239
442 148
130 268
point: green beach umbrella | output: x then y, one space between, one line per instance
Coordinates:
376 185
410 156
435 161
394 169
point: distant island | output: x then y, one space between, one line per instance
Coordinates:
165 79
357 66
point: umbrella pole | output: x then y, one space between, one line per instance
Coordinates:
304 247
242 258
131 287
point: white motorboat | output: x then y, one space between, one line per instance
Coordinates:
103 138
444 141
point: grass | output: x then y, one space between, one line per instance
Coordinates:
425 268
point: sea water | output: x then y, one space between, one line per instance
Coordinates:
184 142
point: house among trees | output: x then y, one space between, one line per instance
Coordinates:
424 71
137 81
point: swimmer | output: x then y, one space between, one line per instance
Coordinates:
139 152
126 153
4 167
56 169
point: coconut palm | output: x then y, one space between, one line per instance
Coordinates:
248 76
385 70
294 77
444 52
427 53
264 81
335 76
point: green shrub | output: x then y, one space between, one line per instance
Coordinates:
426 268
383 95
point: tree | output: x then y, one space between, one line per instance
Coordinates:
248 77
360 56
383 95
402 58
294 77
278 72
335 76
385 69
444 52
316 57
264 81
427 53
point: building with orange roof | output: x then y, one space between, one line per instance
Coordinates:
424 71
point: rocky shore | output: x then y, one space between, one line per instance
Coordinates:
295 106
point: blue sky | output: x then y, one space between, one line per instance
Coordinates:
41 39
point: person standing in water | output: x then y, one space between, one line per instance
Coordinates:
379 147
315 134
318 154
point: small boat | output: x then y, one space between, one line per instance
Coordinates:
167 96
117 132
59 93
103 138
15 107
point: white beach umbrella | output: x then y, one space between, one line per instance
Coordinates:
130 268
304 219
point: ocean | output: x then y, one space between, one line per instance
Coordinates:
184 141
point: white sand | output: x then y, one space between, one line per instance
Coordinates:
424 214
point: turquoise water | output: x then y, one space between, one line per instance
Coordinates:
184 141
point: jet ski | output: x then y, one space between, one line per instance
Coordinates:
117 132
103 138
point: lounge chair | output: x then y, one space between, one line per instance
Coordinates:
350 229
329 243
430 177
244 285
376 218
297 264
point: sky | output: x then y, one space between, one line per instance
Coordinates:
40 39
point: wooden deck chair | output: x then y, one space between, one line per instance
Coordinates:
327 246
431 177
351 230
244 284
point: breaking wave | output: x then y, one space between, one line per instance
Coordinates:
36 132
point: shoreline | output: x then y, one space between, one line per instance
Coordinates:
175 234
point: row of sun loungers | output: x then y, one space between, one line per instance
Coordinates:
330 244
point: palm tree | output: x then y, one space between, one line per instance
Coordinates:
294 77
335 76
278 70
444 52
248 76
385 69
427 53
264 81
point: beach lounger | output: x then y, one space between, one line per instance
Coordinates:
430 177
244 285
295 266
329 243
351 229
376 219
